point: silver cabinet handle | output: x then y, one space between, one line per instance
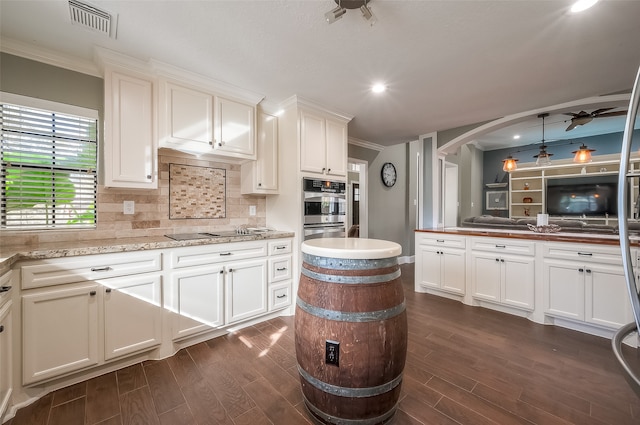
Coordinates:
100 269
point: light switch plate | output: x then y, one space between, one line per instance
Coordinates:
129 207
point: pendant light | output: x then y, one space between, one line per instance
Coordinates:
543 158
582 155
509 164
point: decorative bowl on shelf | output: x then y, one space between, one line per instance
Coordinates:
527 200
546 228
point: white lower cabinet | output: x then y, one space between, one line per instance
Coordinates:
59 331
590 292
246 286
196 297
6 347
132 314
441 265
499 275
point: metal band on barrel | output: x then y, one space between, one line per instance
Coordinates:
341 421
351 280
357 317
348 263
350 392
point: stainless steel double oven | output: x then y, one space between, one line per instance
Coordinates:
324 209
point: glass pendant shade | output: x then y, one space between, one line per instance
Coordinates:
543 158
582 155
509 164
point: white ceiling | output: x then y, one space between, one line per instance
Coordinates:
446 63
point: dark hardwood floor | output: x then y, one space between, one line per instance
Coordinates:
465 365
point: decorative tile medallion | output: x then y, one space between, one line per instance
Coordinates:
196 192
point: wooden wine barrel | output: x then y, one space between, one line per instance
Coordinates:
350 330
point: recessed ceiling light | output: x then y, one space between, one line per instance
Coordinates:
581 5
378 88
516 136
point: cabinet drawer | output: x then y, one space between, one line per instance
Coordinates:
442 240
279 295
279 268
207 254
280 247
59 271
586 253
507 246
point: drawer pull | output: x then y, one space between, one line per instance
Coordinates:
281 247
585 254
92 293
440 240
281 269
1 328
225 253
281 296
501 246
100 269
5 288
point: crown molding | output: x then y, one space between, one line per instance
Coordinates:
298 101
365 144
49 57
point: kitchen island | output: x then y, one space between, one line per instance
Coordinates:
564 279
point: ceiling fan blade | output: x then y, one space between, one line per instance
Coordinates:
600 111
612 114
571 126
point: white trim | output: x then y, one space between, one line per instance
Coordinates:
49 57
602 101
363 181
298 101
407 259
365 144
47 105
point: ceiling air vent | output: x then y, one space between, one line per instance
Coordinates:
93 18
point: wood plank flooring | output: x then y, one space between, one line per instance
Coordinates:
465 365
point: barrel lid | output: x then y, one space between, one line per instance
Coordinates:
351 248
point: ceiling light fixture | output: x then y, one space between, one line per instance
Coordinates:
509 163
378 88
582 5
336 13
582 155
543 158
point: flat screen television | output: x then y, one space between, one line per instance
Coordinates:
583 196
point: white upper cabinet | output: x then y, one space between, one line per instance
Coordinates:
130 153
261 176
201 122
323 145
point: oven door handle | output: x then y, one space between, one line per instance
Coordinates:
325 226
319 197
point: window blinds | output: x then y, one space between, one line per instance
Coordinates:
48 173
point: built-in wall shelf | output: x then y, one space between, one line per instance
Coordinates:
528 185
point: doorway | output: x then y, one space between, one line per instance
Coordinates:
357 200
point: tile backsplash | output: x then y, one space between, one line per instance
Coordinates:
151 217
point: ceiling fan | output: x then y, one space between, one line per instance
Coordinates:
582 117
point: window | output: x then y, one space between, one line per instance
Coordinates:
48 156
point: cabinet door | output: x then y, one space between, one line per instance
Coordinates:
606 296
132 314
428 274
267 161
518 283
563 289
337 141
130 132
312 143
195 296
235 128
60 332
6 368
189 118
246 284
453 275
486 276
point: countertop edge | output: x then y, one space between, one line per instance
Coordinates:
10 255
612 240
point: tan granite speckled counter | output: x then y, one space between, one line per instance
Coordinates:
9 255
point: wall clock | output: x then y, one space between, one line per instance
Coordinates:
388 174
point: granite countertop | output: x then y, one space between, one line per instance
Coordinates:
9 255
592 238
